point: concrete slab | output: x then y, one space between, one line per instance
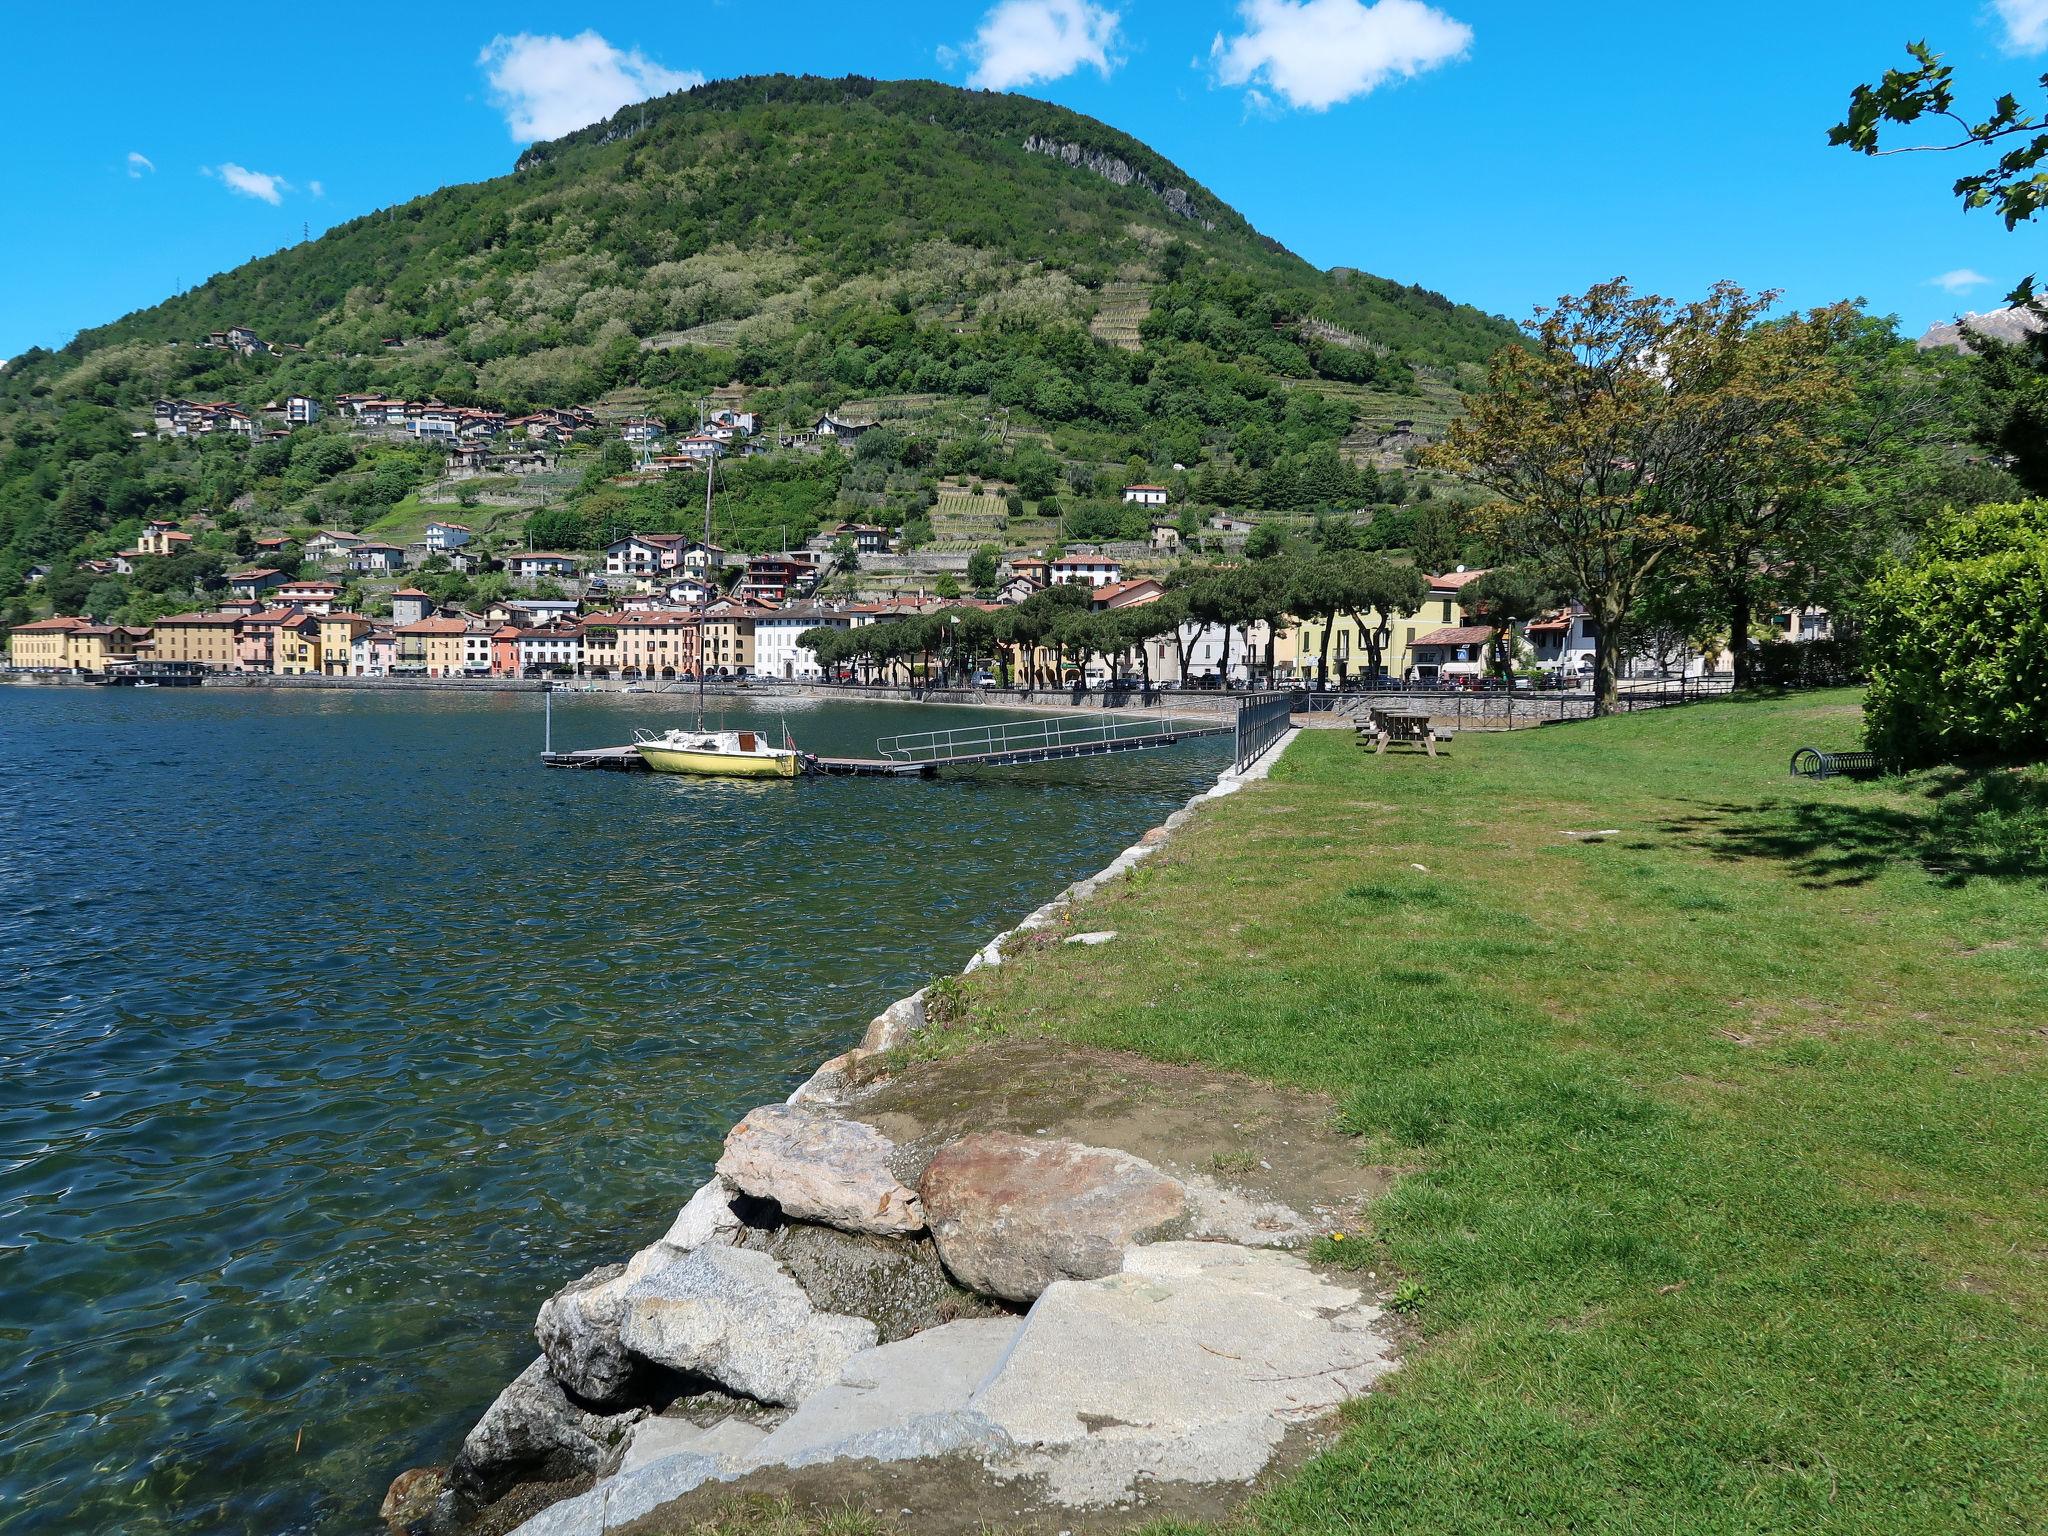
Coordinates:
899 1401
1186 1367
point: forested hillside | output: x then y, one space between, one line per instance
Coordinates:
1033 281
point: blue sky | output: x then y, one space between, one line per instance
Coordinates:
1500 151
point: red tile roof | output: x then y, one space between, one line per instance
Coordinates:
1457 634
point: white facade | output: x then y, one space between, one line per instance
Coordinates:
1086 571
445 536
545 648
301 410
1145 495
476 653
776 652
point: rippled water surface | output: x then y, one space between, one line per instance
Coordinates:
335 1033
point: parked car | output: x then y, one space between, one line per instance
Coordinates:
983 679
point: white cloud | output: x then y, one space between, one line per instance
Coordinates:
1025 40
1959 282
1316 53
2026 24
139 164
549 86
318 189
256 184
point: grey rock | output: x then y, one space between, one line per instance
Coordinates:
727 1442
896 1024
818 1167
578 1331
899 1402
1099 936
896 1283
533 1432
707 1218
1187 1366
735 1316
581 1516
631 1495
1013 1214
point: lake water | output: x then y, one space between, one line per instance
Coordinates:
335 1033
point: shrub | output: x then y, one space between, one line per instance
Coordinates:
1957 640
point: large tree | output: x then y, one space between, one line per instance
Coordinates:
1591 437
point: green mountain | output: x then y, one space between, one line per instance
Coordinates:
1025 291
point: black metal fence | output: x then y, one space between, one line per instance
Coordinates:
1262 719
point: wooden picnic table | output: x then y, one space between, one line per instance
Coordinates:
1390 725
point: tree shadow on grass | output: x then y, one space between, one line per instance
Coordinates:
1975 826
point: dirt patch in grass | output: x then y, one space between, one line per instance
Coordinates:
1267 1143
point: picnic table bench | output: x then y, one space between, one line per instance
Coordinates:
1388 726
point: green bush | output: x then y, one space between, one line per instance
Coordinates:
1957 640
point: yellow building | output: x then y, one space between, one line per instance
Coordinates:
73 645
44 646
338 635
644 644
433 647
296 649
1350 655
206 639
729 640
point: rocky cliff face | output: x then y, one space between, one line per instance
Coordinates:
1115 168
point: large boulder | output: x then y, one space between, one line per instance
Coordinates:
820 1168
898 1284
736 1317
578 1332
533 1433
1187 1366
1013 1214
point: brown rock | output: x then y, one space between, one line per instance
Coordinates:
410 1497
1013 1214
820 1168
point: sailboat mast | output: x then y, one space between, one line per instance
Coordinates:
704 579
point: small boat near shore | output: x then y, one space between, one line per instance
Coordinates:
717 754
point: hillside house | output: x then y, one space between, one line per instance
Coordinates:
829 425
1145 495
867 538
543 565
331 549
1228 526
1086 570
255 583
644 430
442 537
313 596
301 410
1164 538
409 605
374 559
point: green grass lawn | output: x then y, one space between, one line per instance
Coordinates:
1725 1131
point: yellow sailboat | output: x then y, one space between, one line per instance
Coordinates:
717 754
720 754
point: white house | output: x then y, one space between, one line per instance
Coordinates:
1086 571
446 536
644 429
642 554
543 565
476 653
697 447
372 653
776 652
1145 495
1565 641
376 559
301 410
553 649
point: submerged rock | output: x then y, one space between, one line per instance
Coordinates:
820 1168
898 1284
736 1317
1013 1214
410 1498
533 1432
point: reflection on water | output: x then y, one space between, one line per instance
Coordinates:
335 1033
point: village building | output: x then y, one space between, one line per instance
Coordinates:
866 538
1086 570
254 583
409 605
315 596
442 537
202 639
657 644
430 648
1165 538
776 651
70 644
728 639
1145 495
542 565
374 559
373 653
338 635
